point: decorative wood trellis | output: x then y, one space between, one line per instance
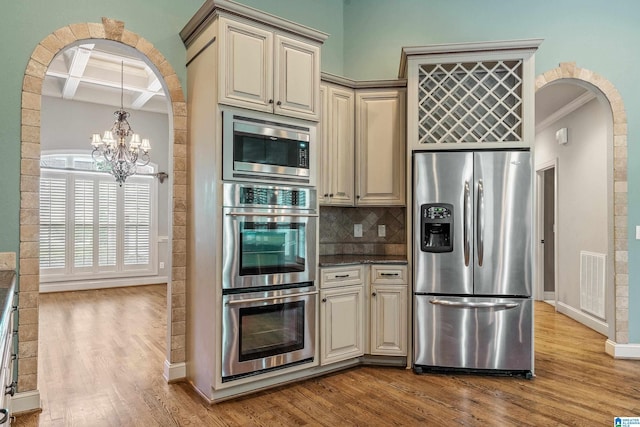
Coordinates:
467 102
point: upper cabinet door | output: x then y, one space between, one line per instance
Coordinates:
297 78
380 147
246 66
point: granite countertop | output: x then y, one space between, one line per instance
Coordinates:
347 259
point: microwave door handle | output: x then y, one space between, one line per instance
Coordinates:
297 215
250 300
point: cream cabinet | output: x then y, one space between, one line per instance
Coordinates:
352 323
362 145
336 166
264 70
388 310
380 147
342 328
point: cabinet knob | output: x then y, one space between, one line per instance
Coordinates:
278 103
374 294
358 197
324 300
331 195
326 194
271 101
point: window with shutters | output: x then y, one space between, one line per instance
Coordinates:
90 227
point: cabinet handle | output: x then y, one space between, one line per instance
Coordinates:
5 415
271 101
278 103
341 276
324 300
389 274
374 294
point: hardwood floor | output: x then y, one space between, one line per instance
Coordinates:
102 352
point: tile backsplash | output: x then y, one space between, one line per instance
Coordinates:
336 230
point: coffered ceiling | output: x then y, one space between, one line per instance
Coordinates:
93 73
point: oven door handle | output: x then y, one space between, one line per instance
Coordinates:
250 300
300 215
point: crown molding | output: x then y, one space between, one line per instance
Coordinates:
566 110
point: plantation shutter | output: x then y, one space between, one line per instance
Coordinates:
83 223
108 221
53 222
137 223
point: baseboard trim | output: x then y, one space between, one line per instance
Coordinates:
174 371
84 285
549 296
622 351
27 401
586 319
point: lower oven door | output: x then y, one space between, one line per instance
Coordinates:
263 331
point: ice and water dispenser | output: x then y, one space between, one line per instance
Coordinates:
436 230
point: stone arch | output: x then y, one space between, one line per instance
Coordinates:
41 57
569 70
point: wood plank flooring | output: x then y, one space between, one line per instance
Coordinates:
102 352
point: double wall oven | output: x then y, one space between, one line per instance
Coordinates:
269 295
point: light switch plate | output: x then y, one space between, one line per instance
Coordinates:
357 230
382 231
637 232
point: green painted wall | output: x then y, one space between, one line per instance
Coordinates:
598 35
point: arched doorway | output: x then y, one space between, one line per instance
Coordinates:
569 72
41 57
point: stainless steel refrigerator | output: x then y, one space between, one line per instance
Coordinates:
472 257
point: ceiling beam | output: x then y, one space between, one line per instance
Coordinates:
77 65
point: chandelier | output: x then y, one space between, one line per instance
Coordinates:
113 153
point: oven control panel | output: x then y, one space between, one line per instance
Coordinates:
267 196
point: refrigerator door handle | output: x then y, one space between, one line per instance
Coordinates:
480 218
483 304
467 220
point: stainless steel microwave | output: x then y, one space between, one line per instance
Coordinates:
261 147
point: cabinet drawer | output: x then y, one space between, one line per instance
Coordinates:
389 274
341 276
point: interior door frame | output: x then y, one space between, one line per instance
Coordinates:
540 169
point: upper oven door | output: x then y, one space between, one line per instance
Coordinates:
264 247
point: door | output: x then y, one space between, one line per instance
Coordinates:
473 333
502 224
548 229
444 178
342 324
380 147
246 66
389 320
297 78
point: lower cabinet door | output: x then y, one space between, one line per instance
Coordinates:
389 320
341 324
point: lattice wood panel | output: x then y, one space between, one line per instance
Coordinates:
470 102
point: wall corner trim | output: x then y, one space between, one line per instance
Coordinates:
28 401
622 351
174 371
